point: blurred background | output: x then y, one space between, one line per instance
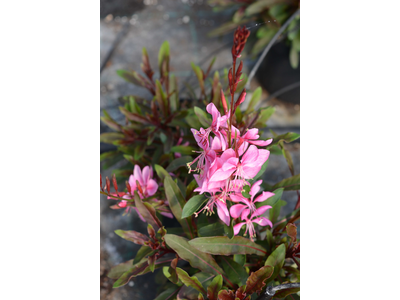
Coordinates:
126 26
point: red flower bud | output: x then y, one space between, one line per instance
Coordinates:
128 187
115 183
101 184
108 185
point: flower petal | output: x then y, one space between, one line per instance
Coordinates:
236 210
262 221
152 187
237 227
261 210
264 196
223 212
251 155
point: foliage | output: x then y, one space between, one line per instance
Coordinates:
211 255
270 15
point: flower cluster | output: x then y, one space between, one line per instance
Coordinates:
141 181
224 170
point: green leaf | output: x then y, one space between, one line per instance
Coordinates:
255 282
161 172
276 260
173 88
214 229
265 114
287 138
274 212
190 281
193 205
186 150
133 271
132 236
147 211
117 271
132 77
223 245
142 252
246 191
203 118
179 162
163 55
255 98
189 189
235 272
110 137
133 117
199 75
240 259
242 83
161 98
187 292
294 57
168 294
288 157
214 288
197 259
170 274
289 184
258 6
176 204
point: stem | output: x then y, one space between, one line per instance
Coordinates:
257 65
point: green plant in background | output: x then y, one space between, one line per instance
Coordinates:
270 14
229 241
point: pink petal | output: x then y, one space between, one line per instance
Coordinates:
251 155
261 143
132 183
145 175
262 221
237 227
255 188
236 210
152 187
212 110
261 210
262 156
245 214
223 212
237 198
251 134
168 215
228 154
137 174
264 196
250 171
221 175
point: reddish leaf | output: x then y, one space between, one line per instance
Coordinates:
291 230
147 211
132 236
214 288
226 295
255 282
190 281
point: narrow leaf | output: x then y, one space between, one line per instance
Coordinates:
255 282
289 184
190 281
201 114
223 245
147 211
276 260
179 162
132 236
215 229
193 205
214 288
176 204
235 272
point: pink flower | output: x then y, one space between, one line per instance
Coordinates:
248 166
237 209
220 202
251 136
147 186
253 219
